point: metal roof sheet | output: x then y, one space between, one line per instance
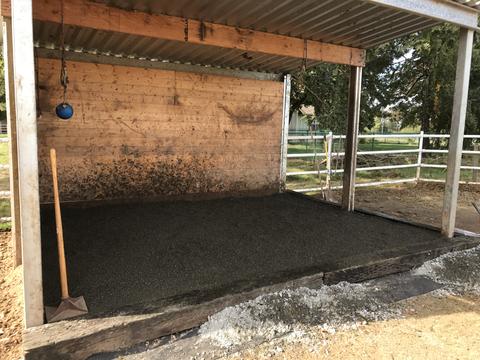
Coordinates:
130 46
474 4
354 23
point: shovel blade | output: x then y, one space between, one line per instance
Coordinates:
68 308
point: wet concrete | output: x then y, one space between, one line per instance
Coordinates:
129 255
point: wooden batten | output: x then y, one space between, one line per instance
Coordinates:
12 141
102 17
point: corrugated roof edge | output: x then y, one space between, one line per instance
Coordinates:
451 11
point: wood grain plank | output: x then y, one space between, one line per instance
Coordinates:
102 17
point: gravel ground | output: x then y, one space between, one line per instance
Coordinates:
459 272
137 254
314 323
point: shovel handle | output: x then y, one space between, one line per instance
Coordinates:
58 221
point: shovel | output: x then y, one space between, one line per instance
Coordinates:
69 307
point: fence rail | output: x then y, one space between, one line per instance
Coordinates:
419 164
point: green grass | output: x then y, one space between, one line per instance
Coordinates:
3 153
307 146
384 145
4 207
311 164
7 226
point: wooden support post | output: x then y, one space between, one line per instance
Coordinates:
457 128
26 115
420 154
354 97
285 123
476 147
12 141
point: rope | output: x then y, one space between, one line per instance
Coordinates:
63 72
37 86
305 55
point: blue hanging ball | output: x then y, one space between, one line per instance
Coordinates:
64 111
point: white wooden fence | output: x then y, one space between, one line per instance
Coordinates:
329 154
4 193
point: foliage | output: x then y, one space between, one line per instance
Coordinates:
3 113
411 79
325 87
426 79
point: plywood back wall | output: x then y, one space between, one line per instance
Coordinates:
138 133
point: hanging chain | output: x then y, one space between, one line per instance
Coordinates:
300 76
305 55
63 73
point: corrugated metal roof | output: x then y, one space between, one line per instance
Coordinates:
354 23
116 44
475 4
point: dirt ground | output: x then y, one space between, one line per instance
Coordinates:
434 328
421 203
11 311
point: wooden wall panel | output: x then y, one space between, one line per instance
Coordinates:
138 133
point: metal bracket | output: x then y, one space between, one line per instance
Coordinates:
202 29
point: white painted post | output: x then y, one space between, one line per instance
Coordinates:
26 114
457 128
475 162
419 160
355 90
329 160
285 123
12 140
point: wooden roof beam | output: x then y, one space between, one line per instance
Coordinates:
98 16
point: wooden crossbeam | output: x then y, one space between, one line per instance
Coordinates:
84 13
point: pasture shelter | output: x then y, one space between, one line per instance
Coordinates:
172 168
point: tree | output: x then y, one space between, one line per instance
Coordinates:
3 111
426 80
413 77
325 87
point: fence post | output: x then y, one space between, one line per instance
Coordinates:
329 159
285 125
419 160
475 162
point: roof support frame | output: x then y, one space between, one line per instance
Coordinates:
86 14
455 146
447 11
148 64
351 145
26 117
